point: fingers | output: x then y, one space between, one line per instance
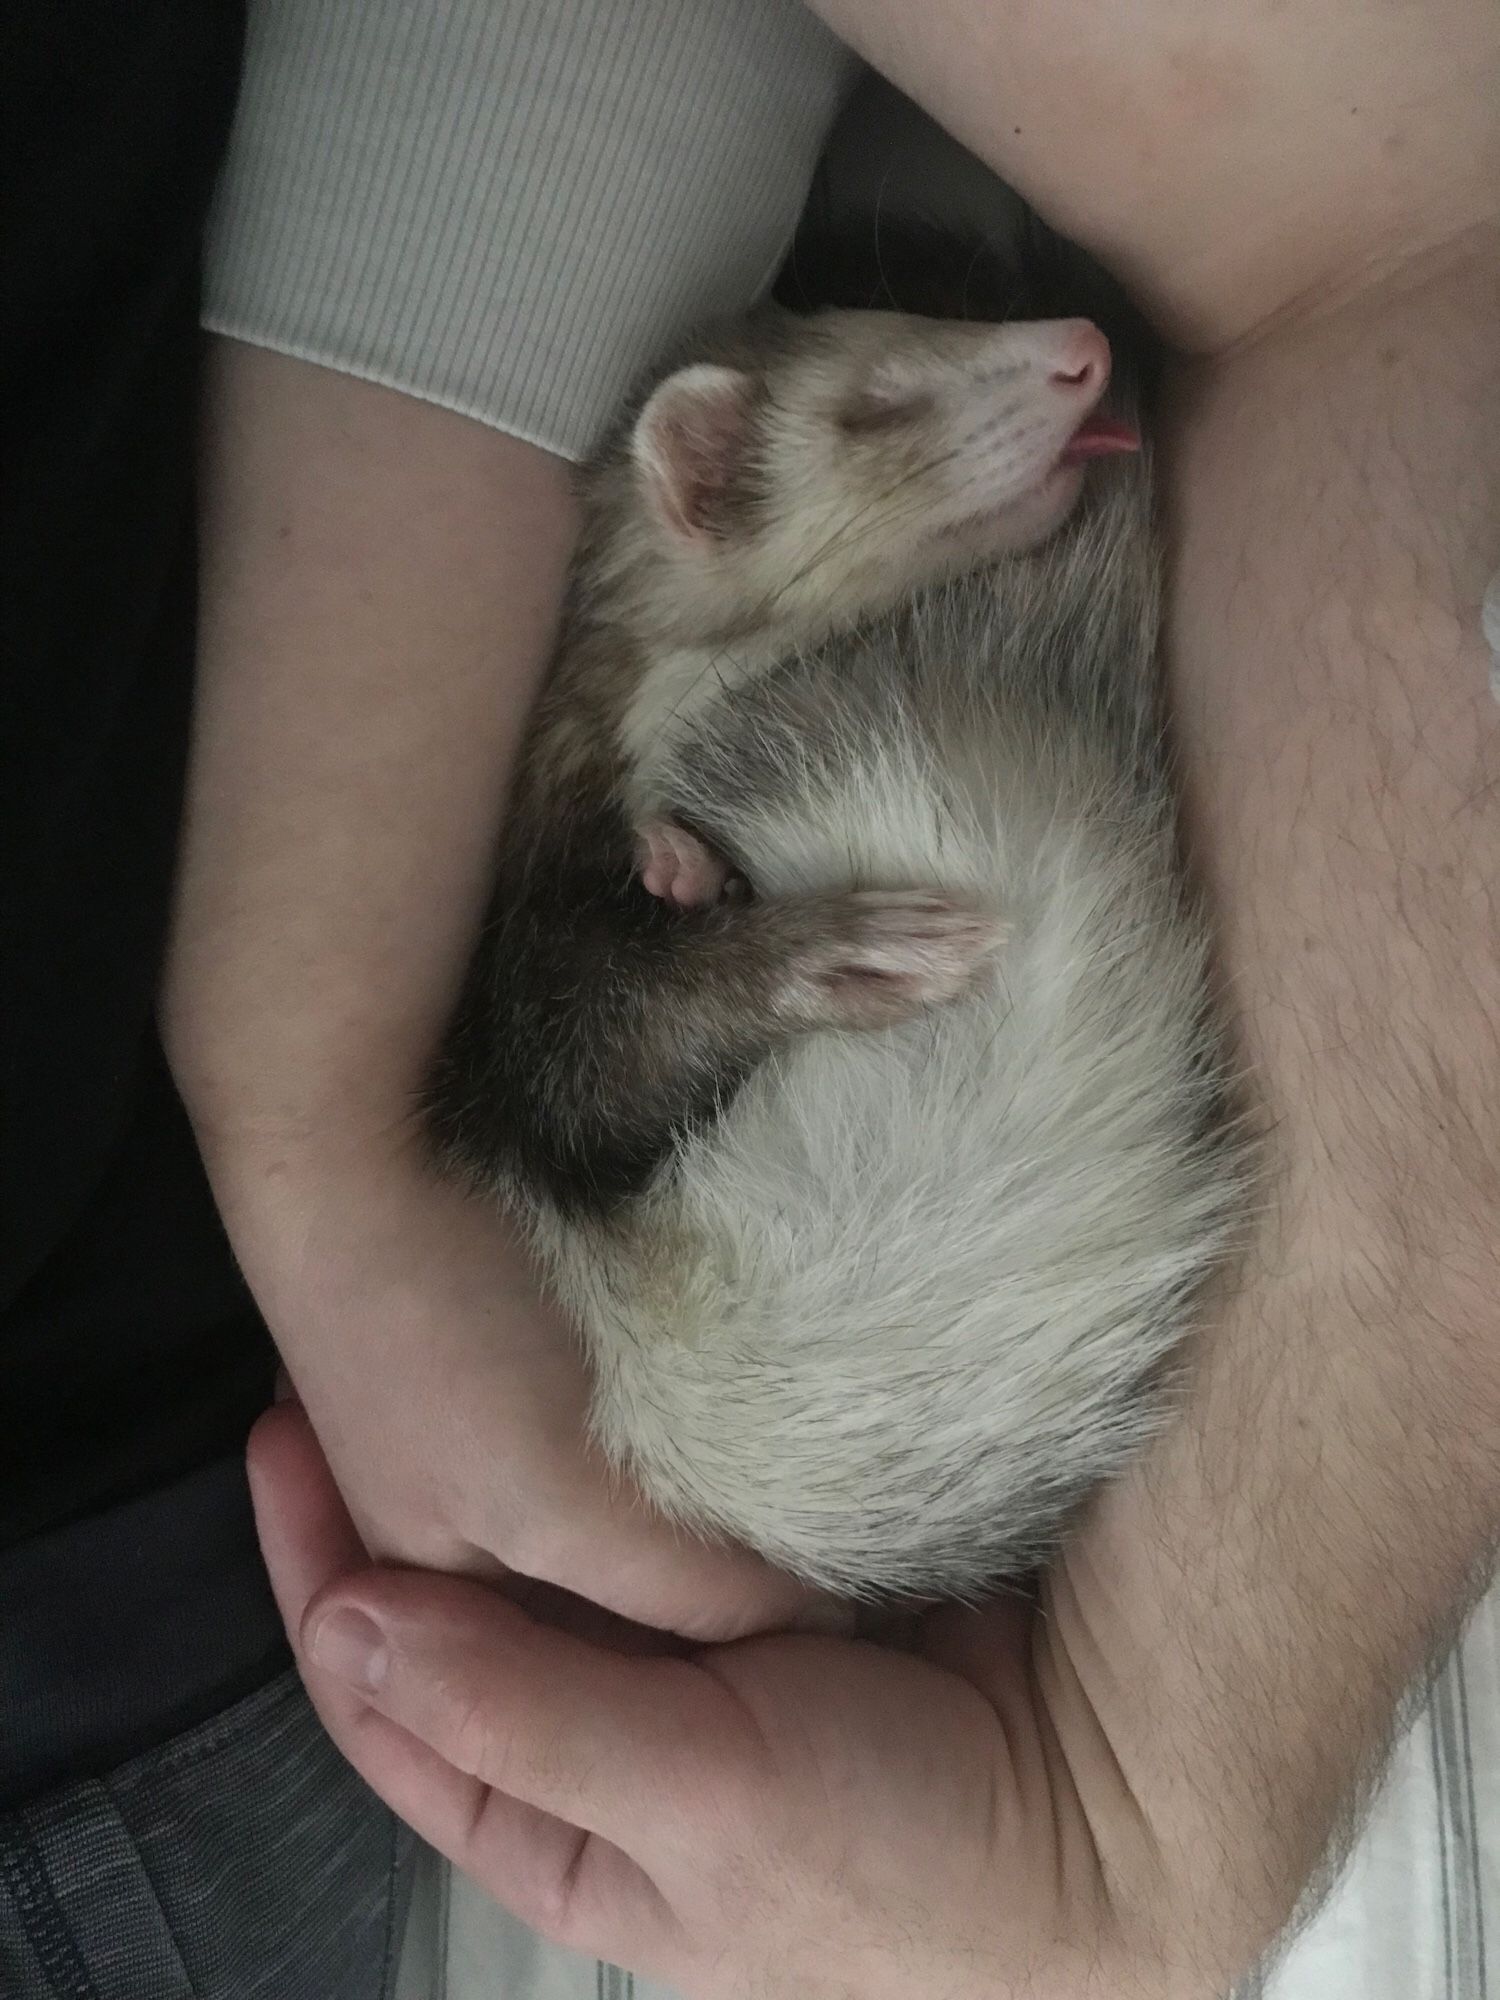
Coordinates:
555 1773
471 1656
606 1742
307 1536
569 1886
309 1543
635 1562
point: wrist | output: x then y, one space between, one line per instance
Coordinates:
1191 1892
319 1185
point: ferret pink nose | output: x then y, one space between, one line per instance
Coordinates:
1081 360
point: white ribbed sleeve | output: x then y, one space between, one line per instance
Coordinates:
510 206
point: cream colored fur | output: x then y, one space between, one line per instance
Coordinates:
908 1300
896 1310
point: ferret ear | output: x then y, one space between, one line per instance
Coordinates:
688 445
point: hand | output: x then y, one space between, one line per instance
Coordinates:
783 1817
450 1401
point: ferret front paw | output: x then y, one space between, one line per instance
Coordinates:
880 956
679 868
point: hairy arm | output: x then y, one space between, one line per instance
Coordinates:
1134 1790
1227 1643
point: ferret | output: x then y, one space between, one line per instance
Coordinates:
840 1028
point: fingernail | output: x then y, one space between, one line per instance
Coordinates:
350 1645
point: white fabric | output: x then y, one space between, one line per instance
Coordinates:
509 207
1416 1913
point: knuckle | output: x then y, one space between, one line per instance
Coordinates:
553 1902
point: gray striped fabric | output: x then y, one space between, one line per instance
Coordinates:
243 1860
1416 1913
1463 1890
509 206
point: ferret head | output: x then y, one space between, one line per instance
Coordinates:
854 456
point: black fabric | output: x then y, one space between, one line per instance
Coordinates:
127 1628
129 1350
174 1823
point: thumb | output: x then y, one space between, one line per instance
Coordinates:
538 1764
608 1743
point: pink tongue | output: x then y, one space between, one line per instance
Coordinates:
1098 437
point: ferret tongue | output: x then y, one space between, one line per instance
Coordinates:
1098 437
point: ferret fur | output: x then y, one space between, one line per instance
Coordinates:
884 1304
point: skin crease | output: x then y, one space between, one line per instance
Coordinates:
1235 165
1084 1800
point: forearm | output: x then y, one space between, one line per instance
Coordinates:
380 584
1224 184
1225 1648
1244 1614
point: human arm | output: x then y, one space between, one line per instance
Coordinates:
1245 1613
1126 1795
1164 1758
381 579
504 213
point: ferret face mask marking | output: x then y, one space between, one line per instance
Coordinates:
874 454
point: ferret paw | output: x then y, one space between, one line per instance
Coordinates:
883 956
680 869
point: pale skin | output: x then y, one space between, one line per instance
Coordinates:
1127 1795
